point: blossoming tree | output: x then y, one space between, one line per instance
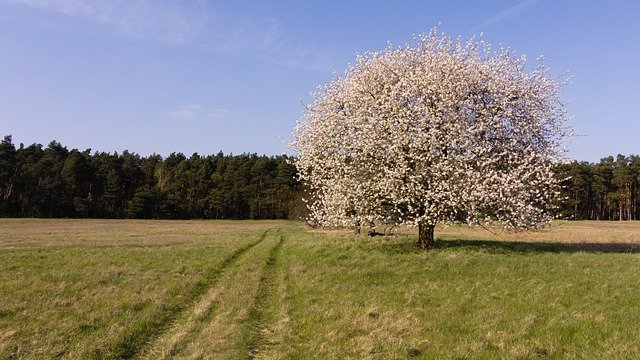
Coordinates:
440 131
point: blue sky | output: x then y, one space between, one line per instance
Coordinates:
232 76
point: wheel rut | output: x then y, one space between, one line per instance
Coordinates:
267 287
142 340
195 333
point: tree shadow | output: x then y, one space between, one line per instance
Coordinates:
544 247
501 247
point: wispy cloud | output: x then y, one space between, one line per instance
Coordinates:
198 23
506 14
167 22
266 39
262 34
198 111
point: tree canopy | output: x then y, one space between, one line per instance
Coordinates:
442 130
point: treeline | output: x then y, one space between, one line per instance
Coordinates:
607 190
52 181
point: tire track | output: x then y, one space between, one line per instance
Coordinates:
260 325
175 341
141 335
227 332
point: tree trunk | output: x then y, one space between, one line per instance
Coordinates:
425 236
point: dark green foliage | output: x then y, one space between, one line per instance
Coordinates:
608 190
57 182
7 173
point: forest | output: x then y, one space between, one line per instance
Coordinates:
53 182
607 190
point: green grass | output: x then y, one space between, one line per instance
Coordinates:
267 290
78 289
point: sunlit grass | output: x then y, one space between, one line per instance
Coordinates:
212 289
99 288
509 296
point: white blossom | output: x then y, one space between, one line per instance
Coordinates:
437 131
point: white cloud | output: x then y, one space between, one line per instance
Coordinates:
186 111
69 7
167 22
259 37
506 14
218 113
198 111
266 39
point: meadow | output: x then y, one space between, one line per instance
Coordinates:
76 289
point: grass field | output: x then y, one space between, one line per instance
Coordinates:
78 289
